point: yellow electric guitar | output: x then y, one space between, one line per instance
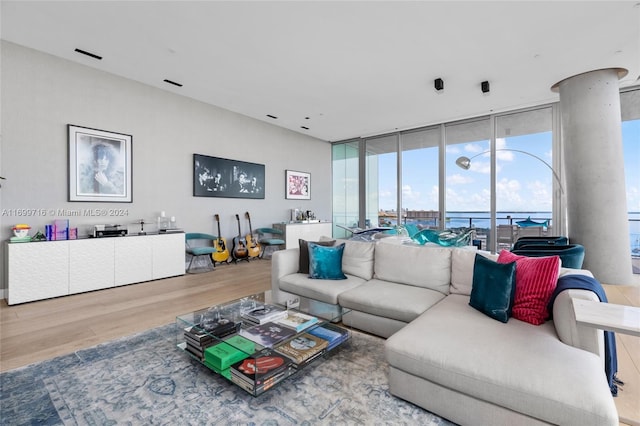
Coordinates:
222 250
252 241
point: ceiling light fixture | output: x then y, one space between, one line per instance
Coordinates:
485 86
93 55
172 82
438 84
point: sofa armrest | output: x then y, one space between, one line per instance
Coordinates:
283 263
569 331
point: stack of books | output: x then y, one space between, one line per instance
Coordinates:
259 374
220 356
303 349
267 334
297 321
264 313
201 336
331 333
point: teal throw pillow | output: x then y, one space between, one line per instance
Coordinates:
303 261
494 288
325 263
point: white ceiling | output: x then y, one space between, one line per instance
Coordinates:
342 69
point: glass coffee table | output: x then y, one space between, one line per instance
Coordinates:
256 343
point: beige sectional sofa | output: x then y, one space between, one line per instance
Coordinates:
446 356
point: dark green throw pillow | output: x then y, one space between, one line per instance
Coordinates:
325 263
494 288
303 262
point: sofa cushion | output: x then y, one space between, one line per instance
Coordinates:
523 368
322 290
422 266
325 263
462 262
390 300
303 260
536 278
358 257
494 286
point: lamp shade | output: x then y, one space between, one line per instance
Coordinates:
463 162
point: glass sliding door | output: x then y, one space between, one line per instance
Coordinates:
525 184
381 186
630 106
345 178
468 192
420 178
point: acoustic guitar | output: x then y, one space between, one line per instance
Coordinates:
240 245
252 241
222 251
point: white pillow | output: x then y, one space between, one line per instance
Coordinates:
357 258
462 261
422 266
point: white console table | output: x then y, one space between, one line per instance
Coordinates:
306 231
41 270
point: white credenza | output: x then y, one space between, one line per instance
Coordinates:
305 231
42 270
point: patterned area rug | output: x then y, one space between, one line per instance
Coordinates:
145 380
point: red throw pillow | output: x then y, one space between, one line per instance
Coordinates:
536 278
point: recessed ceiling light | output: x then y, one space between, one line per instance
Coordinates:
93 55
172 82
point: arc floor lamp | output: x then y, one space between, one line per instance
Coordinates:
465 163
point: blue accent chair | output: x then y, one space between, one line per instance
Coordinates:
198 244
549 241
269 237
571 255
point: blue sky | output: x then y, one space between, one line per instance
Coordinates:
524 184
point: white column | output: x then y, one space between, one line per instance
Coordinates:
594 171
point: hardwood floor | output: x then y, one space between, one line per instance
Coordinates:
37 331
628 347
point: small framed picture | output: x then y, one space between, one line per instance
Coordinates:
100 165
297 185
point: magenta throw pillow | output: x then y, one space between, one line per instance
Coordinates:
536 278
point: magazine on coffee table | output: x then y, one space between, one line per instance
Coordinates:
268 334
297 321
264 313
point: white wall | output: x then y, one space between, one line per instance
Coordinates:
41 94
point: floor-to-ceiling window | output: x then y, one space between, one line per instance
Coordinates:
420 177
630 107
522 179
526 184
381 185
345 170
468 192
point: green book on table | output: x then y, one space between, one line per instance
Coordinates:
224 373
232 350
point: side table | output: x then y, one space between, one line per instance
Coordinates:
608 316
622 319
